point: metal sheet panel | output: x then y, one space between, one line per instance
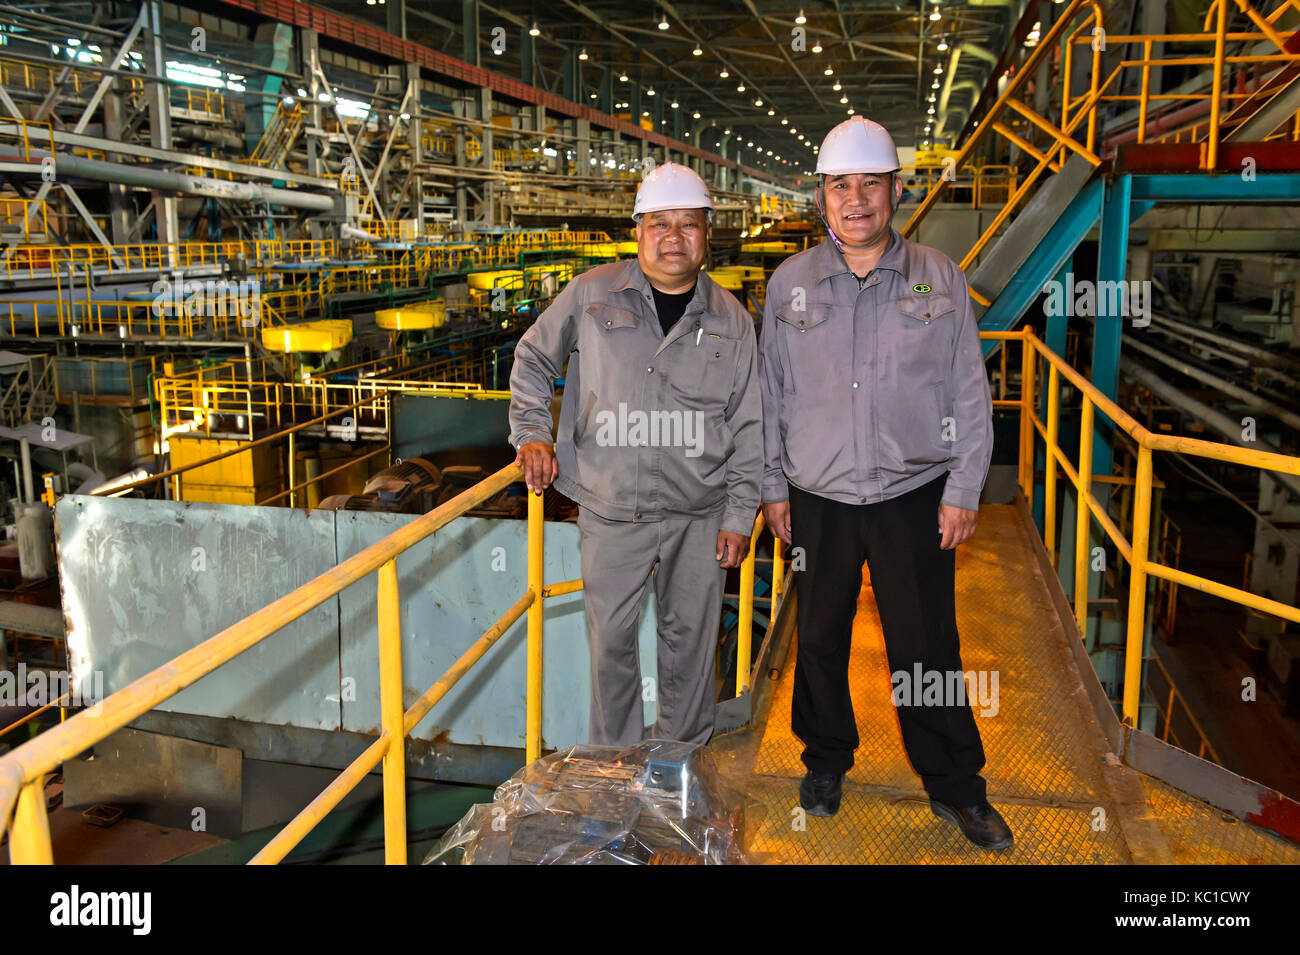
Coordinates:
453 587
137 591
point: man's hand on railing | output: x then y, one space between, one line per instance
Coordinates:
732 548
777 515
537 458
956 525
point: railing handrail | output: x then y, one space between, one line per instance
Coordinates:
1135 550
29 762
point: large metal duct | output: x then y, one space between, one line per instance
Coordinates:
69 165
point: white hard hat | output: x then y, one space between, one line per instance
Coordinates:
857 145
671 186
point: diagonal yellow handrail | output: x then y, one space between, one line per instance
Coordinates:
1137 551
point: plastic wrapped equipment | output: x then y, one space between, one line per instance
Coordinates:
659 802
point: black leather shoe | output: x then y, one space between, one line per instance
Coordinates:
982 824
819 793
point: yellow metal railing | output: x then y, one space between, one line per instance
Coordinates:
28 216
1136 551
1076 130
39 78
23 771
73 316
24 136
41 260
1215 33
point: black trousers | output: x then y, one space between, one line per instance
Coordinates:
913 580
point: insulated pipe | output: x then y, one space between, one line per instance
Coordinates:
221 137
70 165
1229 429
1214 381
1262 355
349 231
25 451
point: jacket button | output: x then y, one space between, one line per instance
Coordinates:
609 322
717 354
855 384
862 500
927 314
801 321
638 517
650 370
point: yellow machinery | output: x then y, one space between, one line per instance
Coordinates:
771 248
734 277
414 317
245 478
319 336
495 278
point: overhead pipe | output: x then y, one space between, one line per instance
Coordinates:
1217 421
219 137
80 167
1246 397
1261 355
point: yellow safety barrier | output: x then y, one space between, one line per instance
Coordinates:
27 216
1079 24
1137 551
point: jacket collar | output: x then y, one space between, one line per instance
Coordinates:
630 277
828 260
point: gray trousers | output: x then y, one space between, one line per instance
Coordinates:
617 558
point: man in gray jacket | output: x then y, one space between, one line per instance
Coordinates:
878 435
660 443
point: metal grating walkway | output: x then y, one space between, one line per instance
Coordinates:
1049 768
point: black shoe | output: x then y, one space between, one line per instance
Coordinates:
981 824
819 793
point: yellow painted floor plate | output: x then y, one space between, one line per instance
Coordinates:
1046 766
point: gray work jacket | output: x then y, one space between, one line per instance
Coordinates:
870 393
650 426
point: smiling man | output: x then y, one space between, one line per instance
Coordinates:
660 443
877 434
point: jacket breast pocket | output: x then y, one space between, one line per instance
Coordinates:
815 343
925 336
704 372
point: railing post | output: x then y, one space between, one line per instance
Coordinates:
1145 96
536 549
392 714
778 570
745 625
1049 459
1026 420
1216 86
29 842
1083 519
1137 587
